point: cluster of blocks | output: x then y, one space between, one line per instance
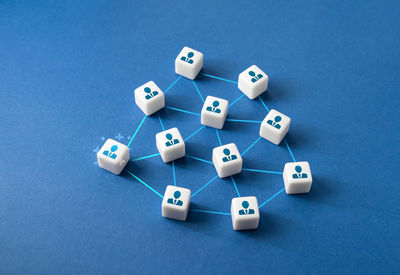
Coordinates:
297 178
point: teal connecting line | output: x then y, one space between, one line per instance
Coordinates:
262 171
262 101
267 201
173 172
210 212
201 188
195 132
220 78
234 184
243 120
198 91
172 85
290 151
199 159
183 111
145 184
162 124
254 143
137 130
146 157
236 100
219 139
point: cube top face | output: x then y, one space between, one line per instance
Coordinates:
189 57
253 75
169 139
113 156
149 91
176 197
216 107
276 122
298 172
245 213
227 154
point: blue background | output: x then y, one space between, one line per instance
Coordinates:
68 71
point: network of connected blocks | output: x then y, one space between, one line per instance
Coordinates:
226 158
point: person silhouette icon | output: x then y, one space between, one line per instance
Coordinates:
275 122
299 174
228 156
149 93
111 153
254 77
245 210
170 140
214 108
175 200
188 59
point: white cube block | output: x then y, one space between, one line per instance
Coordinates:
149 98
253 82
189 63
297 177
227 160
275 126
245 214
113 156
214 112
170 144
176 202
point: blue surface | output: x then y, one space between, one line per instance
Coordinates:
68 71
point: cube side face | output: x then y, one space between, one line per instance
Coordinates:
245 213
227 164
170 144
113 156
275 126
151 101
176 202
253 85
214 112
189 65
297 177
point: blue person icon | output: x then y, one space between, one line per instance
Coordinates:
170 140
245 210
111 153
214 108
175 200
275 122
299 174
188 59
149 93
228 156
254 77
